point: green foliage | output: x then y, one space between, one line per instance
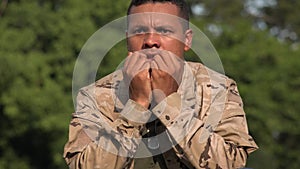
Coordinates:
267 71
283 17
270 87
40 41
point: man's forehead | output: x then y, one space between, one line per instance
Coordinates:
156 14
166 7
154 18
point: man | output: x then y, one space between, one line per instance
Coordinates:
186 115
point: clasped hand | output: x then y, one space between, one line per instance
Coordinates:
152 75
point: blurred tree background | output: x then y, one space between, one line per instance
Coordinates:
257 40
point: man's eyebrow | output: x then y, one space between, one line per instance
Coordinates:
138 26
165 26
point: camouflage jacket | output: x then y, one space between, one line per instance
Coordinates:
202 125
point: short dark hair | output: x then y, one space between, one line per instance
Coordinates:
181 4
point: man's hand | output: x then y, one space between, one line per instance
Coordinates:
166 74
137 77
152 75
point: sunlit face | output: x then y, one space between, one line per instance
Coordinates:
158 26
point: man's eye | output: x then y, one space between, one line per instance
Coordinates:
139 31
164 31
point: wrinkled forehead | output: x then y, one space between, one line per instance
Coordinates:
155 18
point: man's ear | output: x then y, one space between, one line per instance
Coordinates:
188 39
127 43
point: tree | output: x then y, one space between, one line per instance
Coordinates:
40 41
282 18
265 65
265 70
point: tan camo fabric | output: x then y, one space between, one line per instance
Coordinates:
202 125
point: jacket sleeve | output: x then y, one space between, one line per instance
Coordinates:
97 141
225 145
81 152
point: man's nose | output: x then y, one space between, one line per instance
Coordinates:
152 40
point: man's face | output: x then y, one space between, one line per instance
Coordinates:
157 26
